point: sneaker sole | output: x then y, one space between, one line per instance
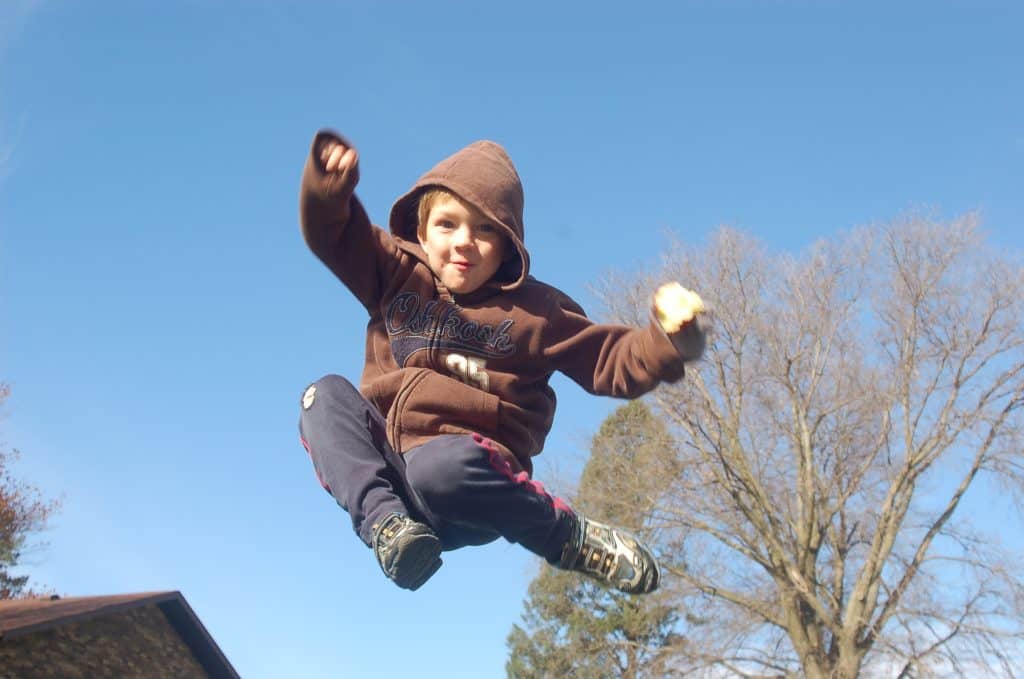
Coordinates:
418 557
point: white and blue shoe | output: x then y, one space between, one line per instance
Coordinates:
611 556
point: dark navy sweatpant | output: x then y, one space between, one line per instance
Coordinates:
457 484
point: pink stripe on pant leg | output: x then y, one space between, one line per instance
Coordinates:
315 471
500 464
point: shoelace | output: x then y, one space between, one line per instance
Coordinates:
598 560
387 530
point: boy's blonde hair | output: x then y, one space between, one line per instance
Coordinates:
427 201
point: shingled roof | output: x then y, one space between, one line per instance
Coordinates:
24 616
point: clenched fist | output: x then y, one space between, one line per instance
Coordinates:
335 157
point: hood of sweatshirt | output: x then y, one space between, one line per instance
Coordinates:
481 174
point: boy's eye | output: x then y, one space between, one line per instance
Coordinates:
444 224
487 228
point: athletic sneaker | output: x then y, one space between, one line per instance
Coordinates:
408 551
611 556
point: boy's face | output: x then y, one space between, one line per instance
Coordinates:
464 248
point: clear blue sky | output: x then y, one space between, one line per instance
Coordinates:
160 315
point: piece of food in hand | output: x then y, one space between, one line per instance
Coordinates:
675 305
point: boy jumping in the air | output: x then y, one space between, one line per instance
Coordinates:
433 451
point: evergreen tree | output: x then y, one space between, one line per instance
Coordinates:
573 627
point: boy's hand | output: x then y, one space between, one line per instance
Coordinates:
332 170
675 305
684 317
335 157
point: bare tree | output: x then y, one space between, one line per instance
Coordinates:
849 401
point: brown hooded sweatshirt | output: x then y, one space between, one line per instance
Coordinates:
438 363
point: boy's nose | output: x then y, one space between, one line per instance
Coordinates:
462 236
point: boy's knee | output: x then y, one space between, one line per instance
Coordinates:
330 388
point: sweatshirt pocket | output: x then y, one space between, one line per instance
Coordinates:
429 404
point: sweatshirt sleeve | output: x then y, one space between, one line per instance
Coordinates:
610 360
337 228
